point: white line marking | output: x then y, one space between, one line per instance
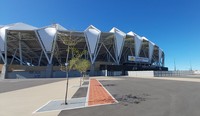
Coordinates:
86 102
76 107
62 109
57 109
42 106
100 105
87 96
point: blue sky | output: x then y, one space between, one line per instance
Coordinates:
174 25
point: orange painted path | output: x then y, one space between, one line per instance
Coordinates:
98 95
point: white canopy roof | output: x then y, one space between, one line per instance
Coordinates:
92 36
47 35
22 26
2 36
15 26
144 38
60 28
160 53
138 42
119 36
151 49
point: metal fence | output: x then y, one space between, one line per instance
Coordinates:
172 73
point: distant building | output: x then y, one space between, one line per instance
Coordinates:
23 46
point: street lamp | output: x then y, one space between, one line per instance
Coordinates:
66 64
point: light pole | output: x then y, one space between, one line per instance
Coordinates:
66 83
174 65
190 65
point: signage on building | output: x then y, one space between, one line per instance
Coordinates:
138 59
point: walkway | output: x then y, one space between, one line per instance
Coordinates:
98 94
91 93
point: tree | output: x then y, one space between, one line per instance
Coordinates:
82 66
70 42
78 63
75 57
73 62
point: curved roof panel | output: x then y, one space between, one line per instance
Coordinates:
2 36
47 36
119 36
151 49
92 35
138 43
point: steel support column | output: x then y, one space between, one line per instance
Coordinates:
20 48
109 53
1 56
13 57
54 46
4 68
41 44
40 58
95 55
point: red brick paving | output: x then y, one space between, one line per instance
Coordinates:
98 95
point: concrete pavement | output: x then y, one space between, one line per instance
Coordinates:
147 97
7 85
24 102
137 96
21 97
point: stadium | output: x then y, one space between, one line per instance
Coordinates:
28 51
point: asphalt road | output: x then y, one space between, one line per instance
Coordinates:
146 97
7 85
